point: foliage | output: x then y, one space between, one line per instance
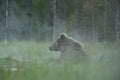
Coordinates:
96 18
41 64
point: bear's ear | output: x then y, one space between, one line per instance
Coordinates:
63 36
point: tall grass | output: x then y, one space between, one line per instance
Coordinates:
33 61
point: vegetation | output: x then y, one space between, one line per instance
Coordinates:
37 62
28 19
27 28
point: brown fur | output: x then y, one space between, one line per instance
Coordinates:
69 47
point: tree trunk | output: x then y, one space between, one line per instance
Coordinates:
6 21
54 19
28 24
105 19
93 22
117 24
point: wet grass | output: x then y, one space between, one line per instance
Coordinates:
33 61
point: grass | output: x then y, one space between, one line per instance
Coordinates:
33 61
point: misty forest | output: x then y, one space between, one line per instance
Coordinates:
29 27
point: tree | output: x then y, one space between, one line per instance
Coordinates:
117 24
6 20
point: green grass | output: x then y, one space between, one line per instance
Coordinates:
34 61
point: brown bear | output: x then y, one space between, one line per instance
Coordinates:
70 48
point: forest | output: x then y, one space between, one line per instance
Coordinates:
90 20
28 29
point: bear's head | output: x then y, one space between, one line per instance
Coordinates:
63 43
59 43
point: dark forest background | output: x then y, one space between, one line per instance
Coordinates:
44 20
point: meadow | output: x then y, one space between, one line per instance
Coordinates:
31 60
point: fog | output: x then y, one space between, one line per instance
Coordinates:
29 27
25 21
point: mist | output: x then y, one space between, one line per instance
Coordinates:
27 20
29 27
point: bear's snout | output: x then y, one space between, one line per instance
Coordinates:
51 48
